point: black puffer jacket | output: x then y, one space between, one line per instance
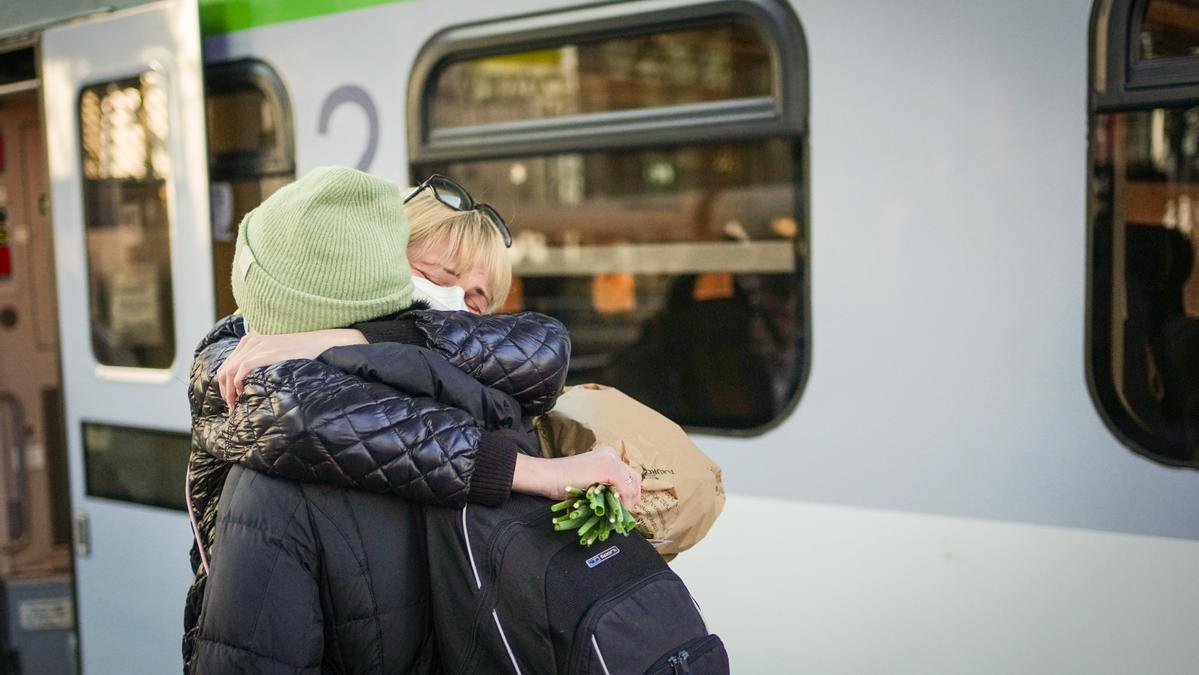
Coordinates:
393 419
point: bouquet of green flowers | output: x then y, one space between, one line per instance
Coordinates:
595 513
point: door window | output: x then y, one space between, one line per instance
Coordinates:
126 183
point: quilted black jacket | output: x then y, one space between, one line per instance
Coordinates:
419 426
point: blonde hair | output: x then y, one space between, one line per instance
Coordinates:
468 240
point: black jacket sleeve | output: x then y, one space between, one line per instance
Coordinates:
308 421
401 328
525 354
420 372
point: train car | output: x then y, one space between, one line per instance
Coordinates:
920 276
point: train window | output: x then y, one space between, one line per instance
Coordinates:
129 464
669 67
1143 326
675 252
1169 28
126 170
250 154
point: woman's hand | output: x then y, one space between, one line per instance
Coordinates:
550 477
259 351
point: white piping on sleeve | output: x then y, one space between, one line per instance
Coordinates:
191 514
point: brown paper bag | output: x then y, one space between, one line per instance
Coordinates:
681 489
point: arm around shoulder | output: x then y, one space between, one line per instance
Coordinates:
307 421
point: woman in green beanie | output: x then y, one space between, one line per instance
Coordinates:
331 590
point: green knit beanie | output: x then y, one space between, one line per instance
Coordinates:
326 251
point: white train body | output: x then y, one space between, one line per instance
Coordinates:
943 497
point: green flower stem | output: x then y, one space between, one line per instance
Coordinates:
567 524
591 522
615 506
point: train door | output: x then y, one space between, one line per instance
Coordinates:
124 107
35 564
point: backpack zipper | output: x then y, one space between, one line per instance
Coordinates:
678 663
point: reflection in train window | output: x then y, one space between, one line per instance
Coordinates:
126 170
1146 185
250 155
674 268
1143 313
673 67
677 262
1169 28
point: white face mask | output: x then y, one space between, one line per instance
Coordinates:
449 298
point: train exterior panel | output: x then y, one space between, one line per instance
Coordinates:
938 491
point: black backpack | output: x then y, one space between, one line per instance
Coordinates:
511 595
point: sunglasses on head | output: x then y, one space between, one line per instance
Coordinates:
456 197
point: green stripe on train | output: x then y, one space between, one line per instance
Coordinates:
226 16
